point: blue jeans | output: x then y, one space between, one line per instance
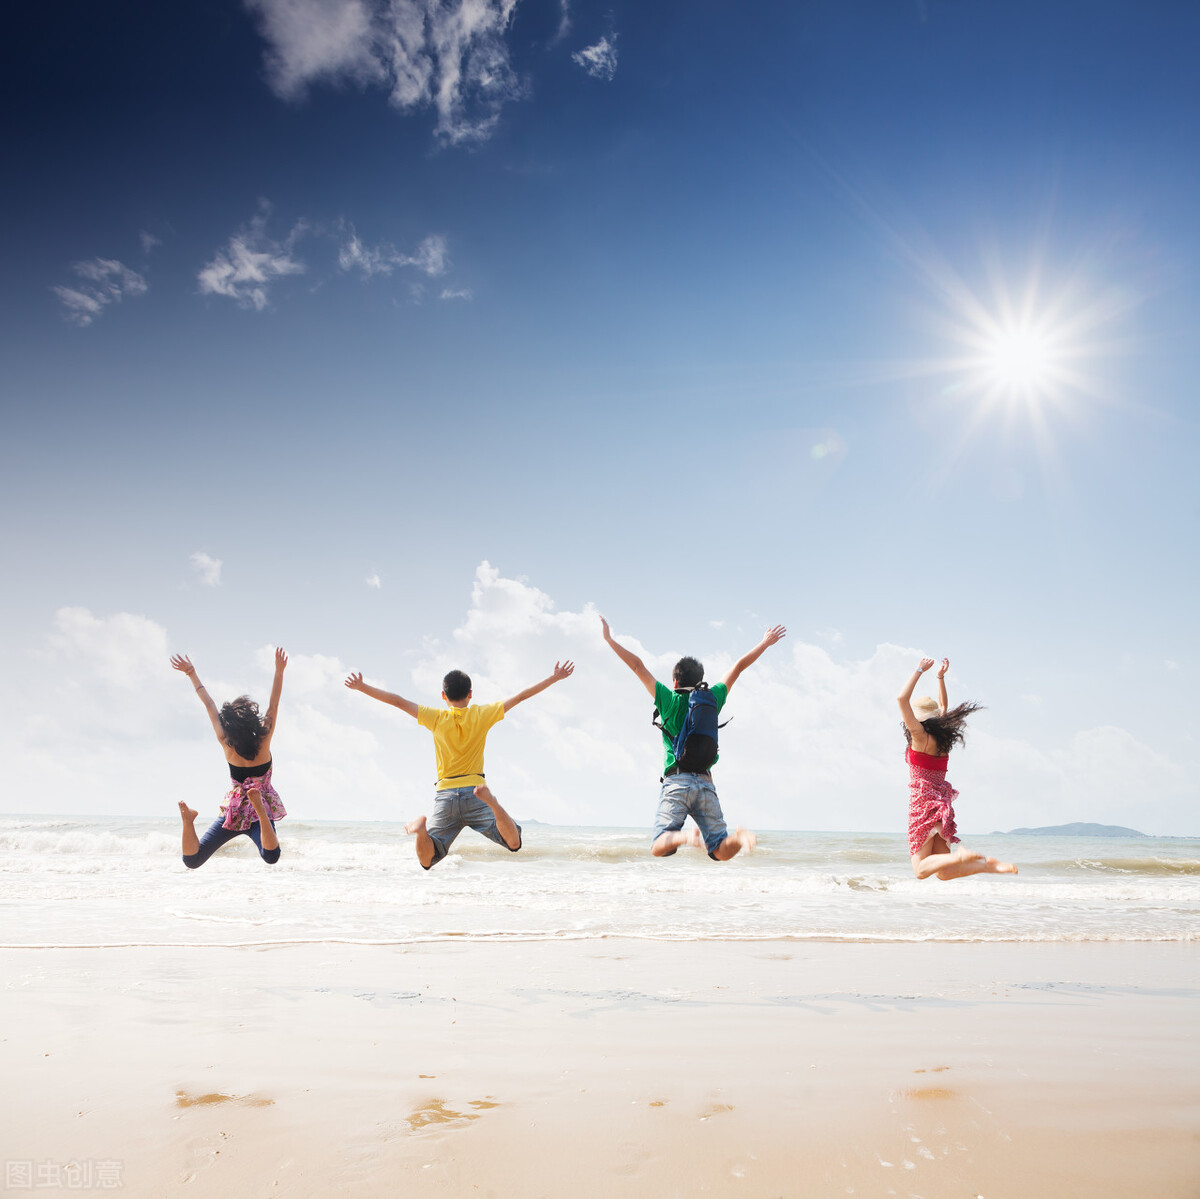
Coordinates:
693 795
456 809
218 835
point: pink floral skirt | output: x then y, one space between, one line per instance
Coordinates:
239 812
930 803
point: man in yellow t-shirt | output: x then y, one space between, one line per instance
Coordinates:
459 731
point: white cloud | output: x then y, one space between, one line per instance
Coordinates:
447 54
208 568
373 580
814 740
564 22
600 60
1171 664
430 257
149 241
246 268
456 293
105 281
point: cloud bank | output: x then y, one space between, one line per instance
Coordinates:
814 742
430 257
448 55
251 262
103 281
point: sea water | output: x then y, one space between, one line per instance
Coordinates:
119 881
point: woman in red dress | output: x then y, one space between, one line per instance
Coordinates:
932 728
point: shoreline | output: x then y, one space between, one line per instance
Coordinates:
611 1066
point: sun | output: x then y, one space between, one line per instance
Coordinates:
1022 359
1031 348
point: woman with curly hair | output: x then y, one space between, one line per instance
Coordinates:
252 805
932 728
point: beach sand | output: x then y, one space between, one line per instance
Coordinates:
605 1068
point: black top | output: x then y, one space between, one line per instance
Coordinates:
240 774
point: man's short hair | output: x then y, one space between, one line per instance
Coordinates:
688 673
456 685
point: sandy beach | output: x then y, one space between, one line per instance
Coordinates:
613 1067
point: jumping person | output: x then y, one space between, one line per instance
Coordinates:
459 730
932 728
687 788
252 805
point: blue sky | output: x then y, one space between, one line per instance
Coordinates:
656 309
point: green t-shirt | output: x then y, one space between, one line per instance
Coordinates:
672 707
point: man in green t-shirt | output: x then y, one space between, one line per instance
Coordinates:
683 793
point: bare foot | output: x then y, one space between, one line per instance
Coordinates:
188 814
967 855
748 839
997 867
484 795
692 838
415 826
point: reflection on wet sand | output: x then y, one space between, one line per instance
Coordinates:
435 1111
183 1099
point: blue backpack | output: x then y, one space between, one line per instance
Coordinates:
695 745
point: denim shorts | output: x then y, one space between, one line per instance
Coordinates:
456 809
693 795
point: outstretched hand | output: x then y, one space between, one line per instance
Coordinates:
281 658
563 670
924 665
945 666
184 663
771 636
605 628
355 682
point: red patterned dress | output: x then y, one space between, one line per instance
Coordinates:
931 799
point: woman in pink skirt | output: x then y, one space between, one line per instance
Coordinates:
252 805
932 728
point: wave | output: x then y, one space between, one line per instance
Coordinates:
40 841
1154 867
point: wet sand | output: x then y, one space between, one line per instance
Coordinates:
601 1068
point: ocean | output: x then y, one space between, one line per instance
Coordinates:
107 881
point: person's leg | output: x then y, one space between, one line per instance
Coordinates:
507 828
668 834
269 841
734 843
435 837
936 857
191 843
426 849
215 836
260 832
665 845
705 809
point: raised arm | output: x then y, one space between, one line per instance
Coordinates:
182 663
562 670
904 699
770 637
355 683
629 658
276 690
942 699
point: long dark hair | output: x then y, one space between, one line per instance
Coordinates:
243 727
947 730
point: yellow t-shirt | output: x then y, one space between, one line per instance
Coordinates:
458 737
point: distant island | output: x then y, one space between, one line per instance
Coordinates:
1076 830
